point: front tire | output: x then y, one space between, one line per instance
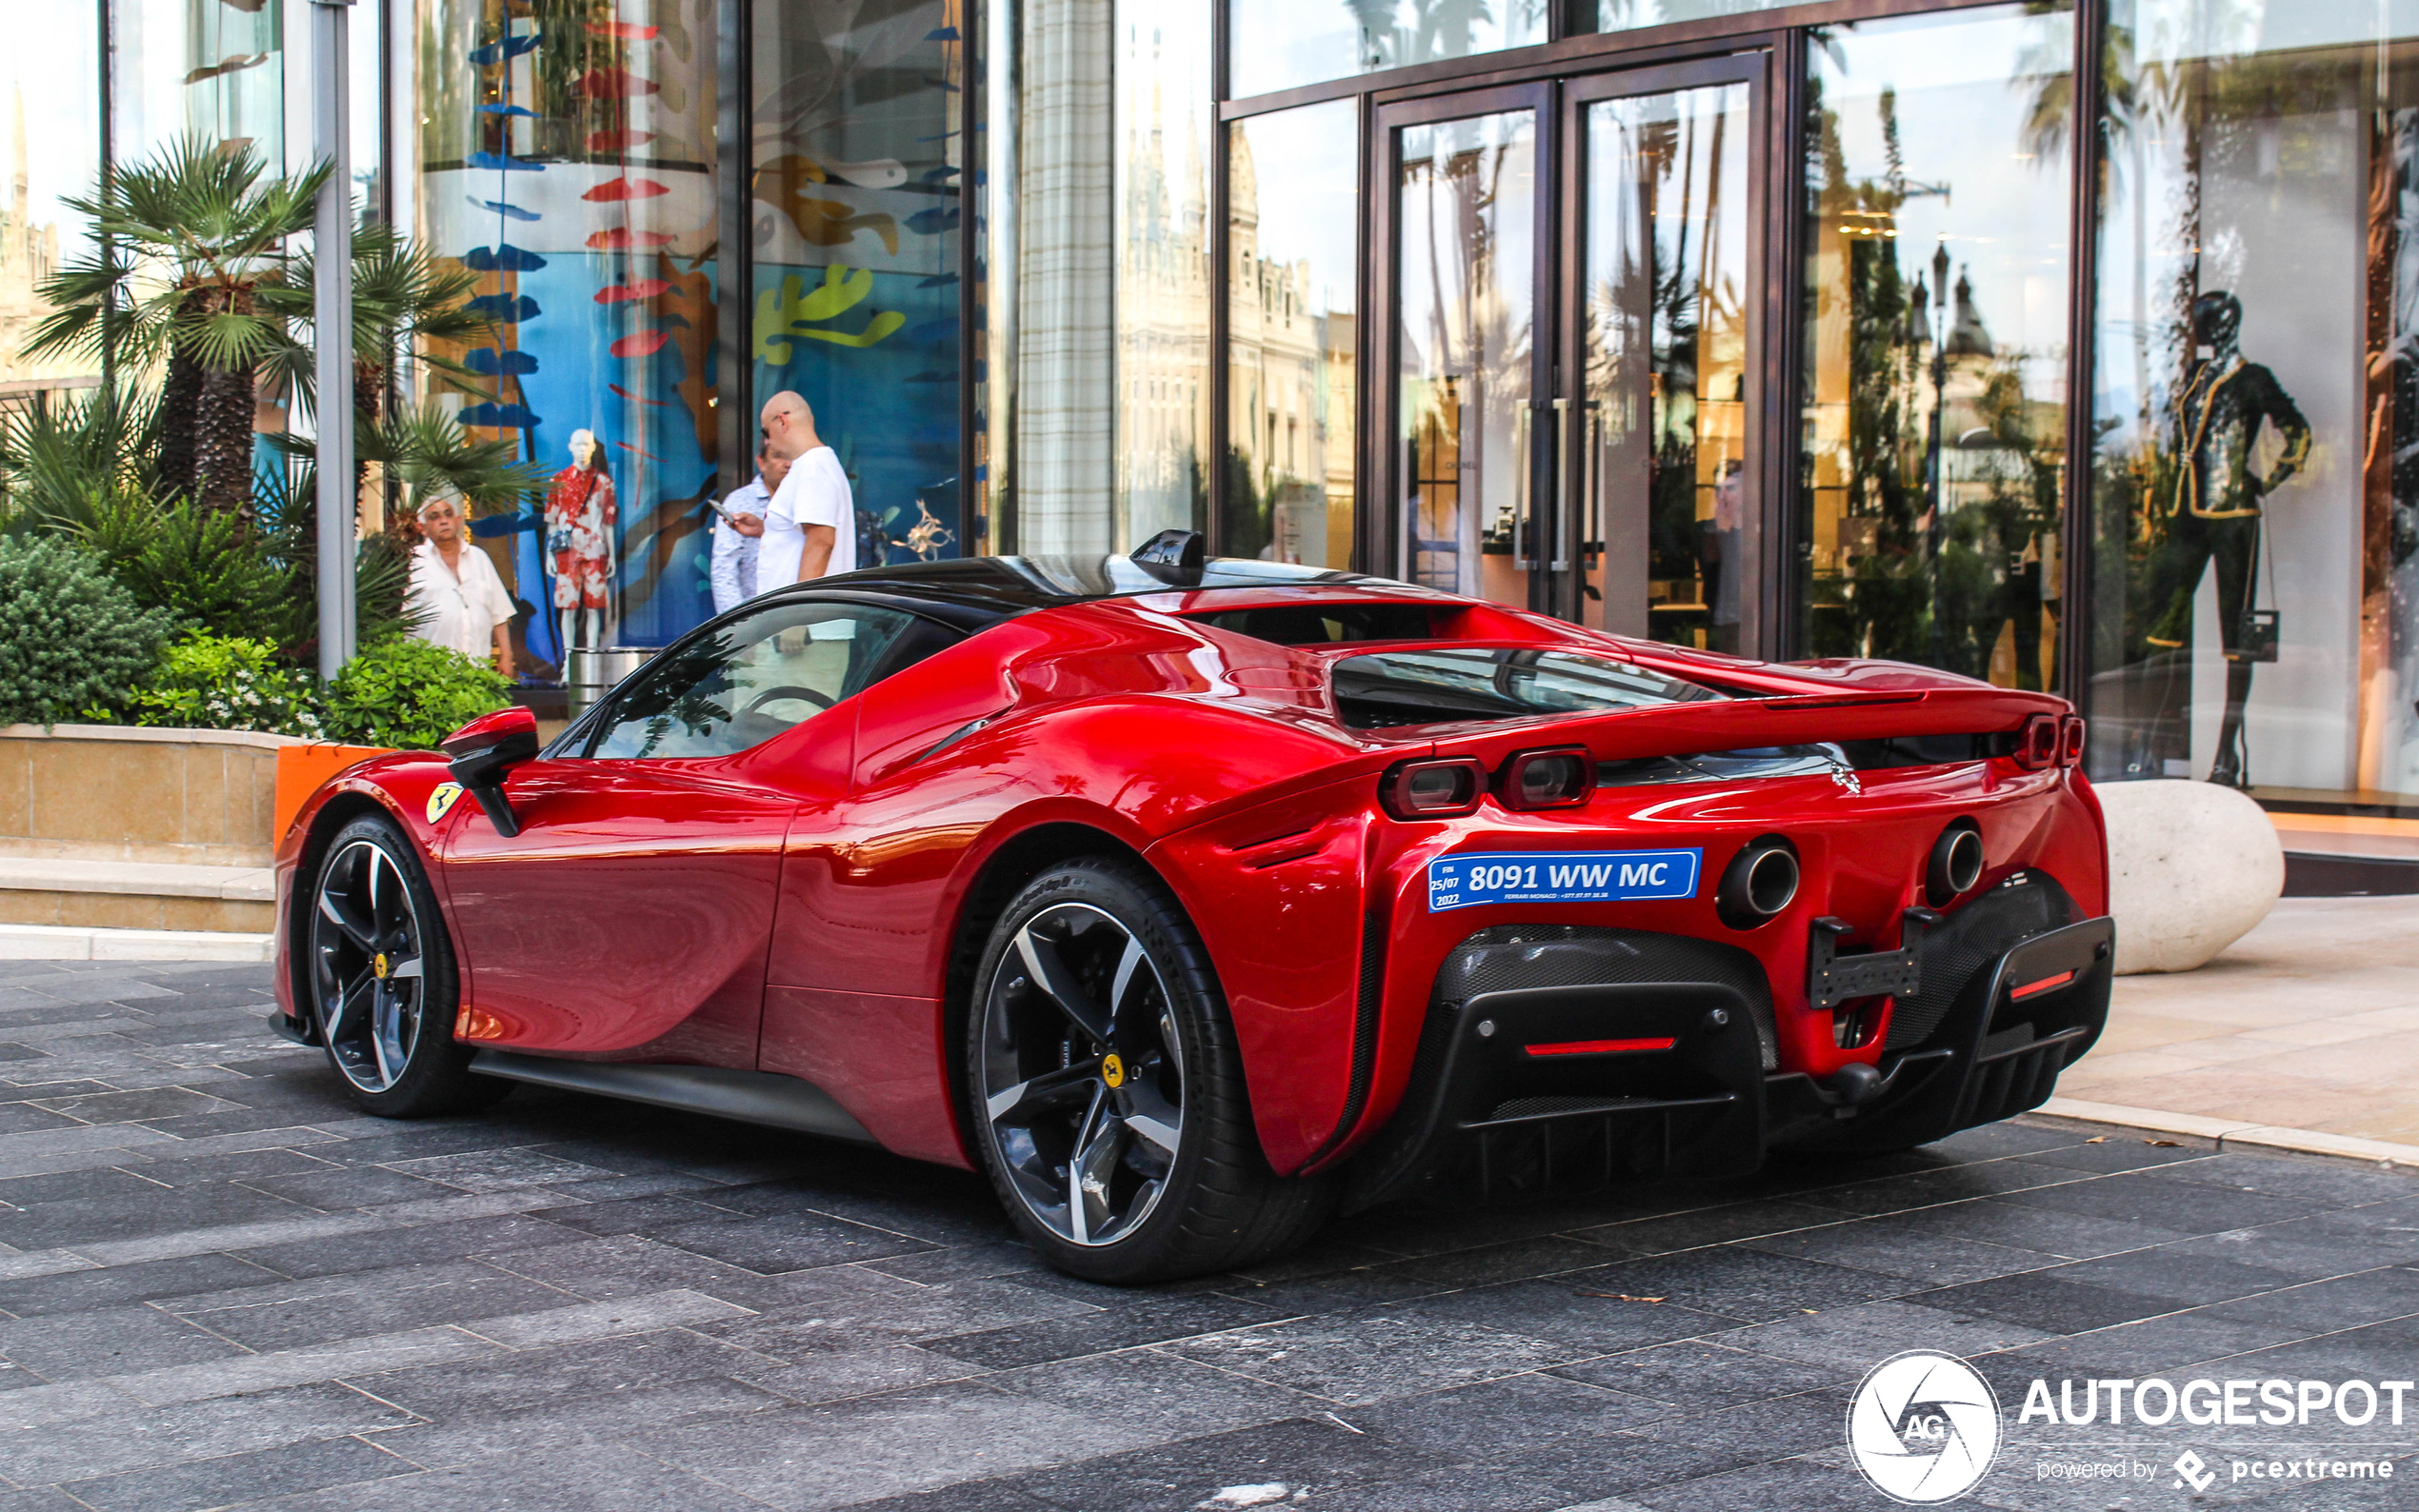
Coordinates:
383 985
1107 1093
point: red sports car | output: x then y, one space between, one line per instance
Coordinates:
1192 899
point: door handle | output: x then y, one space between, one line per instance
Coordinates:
1524 483
1561 474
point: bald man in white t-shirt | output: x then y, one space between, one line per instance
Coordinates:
810 526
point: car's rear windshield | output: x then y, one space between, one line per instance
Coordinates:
1384 689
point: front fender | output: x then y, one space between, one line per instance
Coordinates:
399 785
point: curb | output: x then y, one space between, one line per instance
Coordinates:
2233 1133
39 942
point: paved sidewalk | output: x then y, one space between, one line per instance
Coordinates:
2310 1020
221 1288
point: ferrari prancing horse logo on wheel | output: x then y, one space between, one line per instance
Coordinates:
1112 1072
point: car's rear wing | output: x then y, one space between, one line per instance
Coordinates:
1742 724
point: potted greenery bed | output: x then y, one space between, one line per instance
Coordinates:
158 594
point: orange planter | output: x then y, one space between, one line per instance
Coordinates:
302 768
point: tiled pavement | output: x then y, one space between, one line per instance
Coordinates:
221 1288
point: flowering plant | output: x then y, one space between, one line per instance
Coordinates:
226 682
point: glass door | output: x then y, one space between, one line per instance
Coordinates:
1572 294
1662 318
1464 230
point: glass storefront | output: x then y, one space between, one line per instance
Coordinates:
2254 597
568 161
857 164
1654 314
1934 396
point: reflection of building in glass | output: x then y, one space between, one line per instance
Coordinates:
29 254
1932 457
1291 406
1163 458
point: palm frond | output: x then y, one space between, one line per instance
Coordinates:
428 451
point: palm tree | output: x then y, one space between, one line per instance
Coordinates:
404 298
187 244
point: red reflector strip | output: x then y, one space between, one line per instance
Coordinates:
2035 988
1600 1046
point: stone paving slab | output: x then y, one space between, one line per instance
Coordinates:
221 1286
2308 1021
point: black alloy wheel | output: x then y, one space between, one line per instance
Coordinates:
1082 1074
1107 1093
381 977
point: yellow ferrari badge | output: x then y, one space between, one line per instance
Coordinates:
442 800
1112 1071
378 966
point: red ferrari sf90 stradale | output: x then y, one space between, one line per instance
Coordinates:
1192 899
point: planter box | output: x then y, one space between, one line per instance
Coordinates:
105 792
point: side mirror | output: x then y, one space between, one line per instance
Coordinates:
485 751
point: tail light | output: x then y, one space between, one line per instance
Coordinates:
2070 741
2037 743
1433 789
1562 778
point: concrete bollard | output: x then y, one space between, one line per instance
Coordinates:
2192 867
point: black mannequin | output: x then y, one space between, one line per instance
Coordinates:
2215 516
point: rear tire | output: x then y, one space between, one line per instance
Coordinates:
383 985
1107 1096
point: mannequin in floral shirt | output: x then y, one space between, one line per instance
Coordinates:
579 537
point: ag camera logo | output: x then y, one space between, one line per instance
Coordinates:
1923 1427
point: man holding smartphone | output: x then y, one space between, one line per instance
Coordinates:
739 528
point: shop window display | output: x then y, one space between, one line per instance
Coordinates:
2255 567
1936 279
856 166
566 156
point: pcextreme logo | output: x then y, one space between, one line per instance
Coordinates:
1923 1427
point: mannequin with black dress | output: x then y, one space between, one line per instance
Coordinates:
2214 517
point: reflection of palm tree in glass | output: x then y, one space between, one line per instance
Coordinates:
1436 28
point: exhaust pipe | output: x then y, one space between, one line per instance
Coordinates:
1955 863
1759 883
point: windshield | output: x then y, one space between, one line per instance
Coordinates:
1389 689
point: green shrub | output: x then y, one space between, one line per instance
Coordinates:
411 695
71 639
225 681
217 571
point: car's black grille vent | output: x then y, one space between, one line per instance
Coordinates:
1513 956
1968 941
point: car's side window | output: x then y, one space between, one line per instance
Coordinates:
751 680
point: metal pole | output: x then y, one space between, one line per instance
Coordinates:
332 327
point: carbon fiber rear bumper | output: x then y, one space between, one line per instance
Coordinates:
1557 1058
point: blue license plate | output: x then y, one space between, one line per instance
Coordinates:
1561 876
